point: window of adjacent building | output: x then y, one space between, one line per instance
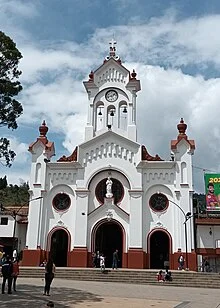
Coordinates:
61 202
158 202
117 190
4 220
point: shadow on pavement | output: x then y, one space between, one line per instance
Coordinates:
32 296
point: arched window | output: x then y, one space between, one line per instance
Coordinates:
61 202
38 173
123 116
100 117
183 173
158 202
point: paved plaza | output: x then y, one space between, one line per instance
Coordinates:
79 294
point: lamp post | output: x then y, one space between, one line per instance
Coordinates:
187 216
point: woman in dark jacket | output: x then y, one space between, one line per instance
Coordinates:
49 275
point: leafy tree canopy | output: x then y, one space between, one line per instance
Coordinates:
12 195
10 108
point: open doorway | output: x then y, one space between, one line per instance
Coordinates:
159 249
59 247
108 238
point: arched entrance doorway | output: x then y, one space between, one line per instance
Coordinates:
59 247
108 237
159 249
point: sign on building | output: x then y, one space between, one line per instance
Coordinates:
212 188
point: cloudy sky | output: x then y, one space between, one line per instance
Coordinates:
174 47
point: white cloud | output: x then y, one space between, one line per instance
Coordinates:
53 90
12 13
19 7
20 168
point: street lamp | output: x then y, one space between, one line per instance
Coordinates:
187 216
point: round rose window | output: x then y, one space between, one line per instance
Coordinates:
116 189
61 202
158 202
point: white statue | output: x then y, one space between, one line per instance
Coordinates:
109 188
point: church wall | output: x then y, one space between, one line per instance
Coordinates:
52 218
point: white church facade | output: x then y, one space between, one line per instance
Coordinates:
110 193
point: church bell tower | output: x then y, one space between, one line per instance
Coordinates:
112 98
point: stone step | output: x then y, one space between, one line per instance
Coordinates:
189 279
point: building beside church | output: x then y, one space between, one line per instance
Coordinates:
110 193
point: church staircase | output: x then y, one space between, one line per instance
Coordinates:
180 278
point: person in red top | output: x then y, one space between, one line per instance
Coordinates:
160 276
211 199
15 273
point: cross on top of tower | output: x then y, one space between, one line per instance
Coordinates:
112 44
112 50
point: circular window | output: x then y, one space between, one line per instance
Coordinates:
158 202
61 202
117 190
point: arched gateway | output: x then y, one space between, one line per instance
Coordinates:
159 249
59 247
108 236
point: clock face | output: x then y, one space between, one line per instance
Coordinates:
111 96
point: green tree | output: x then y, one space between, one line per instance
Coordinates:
3 182
10 108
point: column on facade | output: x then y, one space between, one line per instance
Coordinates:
135 244
32 253
78 256
32 230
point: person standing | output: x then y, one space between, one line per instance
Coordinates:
49 275
15 273
181 262
97 259
102 263
7 270
93 259
115 260
14 255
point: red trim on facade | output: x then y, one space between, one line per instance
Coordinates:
32 257
206 251
72 157
146 156
136 258
182 135
77 257
207 221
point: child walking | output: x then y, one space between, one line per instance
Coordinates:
102 263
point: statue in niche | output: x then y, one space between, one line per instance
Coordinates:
109 188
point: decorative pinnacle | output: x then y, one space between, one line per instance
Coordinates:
43 129
182 127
